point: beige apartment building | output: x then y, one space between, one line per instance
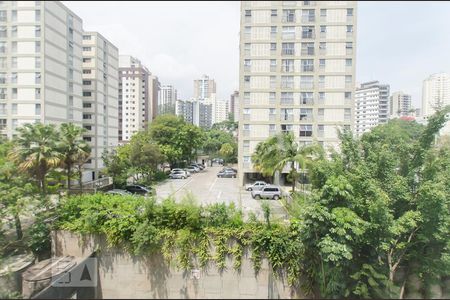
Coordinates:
297 73
204 87
100 98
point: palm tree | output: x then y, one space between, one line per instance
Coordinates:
280 151
36 151
72 147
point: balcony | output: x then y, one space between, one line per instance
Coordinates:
306 101
273 68
287 85
247 165
309 51
323 35
287 52
288 35
287 101
306 85
308 68
288 118
350 34
272 101
248 19
308 118
308 35
246 101
288 19
247 68
308 18
323 51
349 51
320 133
287 69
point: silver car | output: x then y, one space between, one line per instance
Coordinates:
255 186
268 192
178 175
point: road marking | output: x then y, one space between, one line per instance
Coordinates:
210 188
220 193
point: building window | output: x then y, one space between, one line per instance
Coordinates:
87 60
247 63
14 31
2 78
321 79
87 127
87 94
14 77
349 28
348 78
37 77
87 82
37 62
14 93
348 62
323 12
37 93
308 32
2 124
307 48
349 45
87 116
3 16
3 110
248 13
306 114
287 65
273 13
14 15
321 63
307 65
349 12
37 47
273 46
305 130
287 82
86 37
87 48
347 114
14 62
86 71
2 93
348 95
14 109
87 105
37 31
87 138
2 47
38 16
287 48
323 29
14 47
306 98
37 109
3 32
288 15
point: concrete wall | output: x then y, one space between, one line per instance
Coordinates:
122 275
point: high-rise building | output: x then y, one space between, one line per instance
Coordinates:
135 101
297 72
220 111
167 100
234 106
435 93
100 98
204 87
154 86
186 109
197 112
400 105
40 64
371 106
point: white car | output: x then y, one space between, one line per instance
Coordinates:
178 175
176 170
256 186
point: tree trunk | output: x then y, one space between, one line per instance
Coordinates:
68 176
18 224
80 182
292 176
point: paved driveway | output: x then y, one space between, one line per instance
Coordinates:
207 188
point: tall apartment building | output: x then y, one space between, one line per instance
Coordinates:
400 105
167 99
186 109
204 87
234 106
297 72
220 111
197 112
100 98
154 87
40 64
372 106
435 93
134 97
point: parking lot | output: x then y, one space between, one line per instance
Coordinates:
207 188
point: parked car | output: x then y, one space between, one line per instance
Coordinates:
178 175
229 168
119 192
255 186
188 173
176 170
138 189
192 169
227 174
198 165
268 192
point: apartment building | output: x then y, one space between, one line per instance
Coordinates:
167 99
197 112
204 87
220 111
100 98
400 105
154 88
372 106
234 106
40 64
186 109
436 95
134 97
297 73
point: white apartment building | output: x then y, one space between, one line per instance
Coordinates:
234 105
297 73
220 111
100 98
40 64
400 105
371 106
436 94
204 87
135 101
167 99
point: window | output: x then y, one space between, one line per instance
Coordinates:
306 98
37 47
307 65
308 15
349 45
14 109
305 114
37 62
321 79
273 30
3 62
273 46
320 130
14 31
37 31
14 15
248 13
38 16
37 77
37 93
323 29
307 48
3 32
323 46
86 37
247 47
287 82
286 127
288 32
289 15
87 127
287 98
287 48
273 65
348 62
307 32
306 82
87 138
14 77
272 111
3 16
273 13
14 47
322 63
87 48
247 79
37 3
87 105
2 93
2 47
347 114
349 12
87 94
87 116
87 82
323 12
348 95
87 60
305 130
348 78
349 28
272 96
2 78
247 30
86 71
287 65
2 124
14 93
321 96
37 109
3 110
247 63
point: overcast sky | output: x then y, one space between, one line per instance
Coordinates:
399 43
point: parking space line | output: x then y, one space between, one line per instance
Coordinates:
212 185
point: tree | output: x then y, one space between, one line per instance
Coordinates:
116 167
35 151
282 150
226 151
72 147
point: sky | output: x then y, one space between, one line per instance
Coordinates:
398 43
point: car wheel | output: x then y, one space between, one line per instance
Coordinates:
234 176
183 177
249 189
258 197
276 197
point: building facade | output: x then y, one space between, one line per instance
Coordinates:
194 111
372 106
435 93
297 72
167 100
234 106
221 108
154 88
100 98
400 105
40 64
134 98
204 87
186 109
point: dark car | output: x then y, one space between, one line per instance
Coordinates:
229 168
138 189
227 174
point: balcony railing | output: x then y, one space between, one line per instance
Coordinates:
287 101
273 68
287 52
308 18
307 101
288 118
306 118
308 51
287 85
272 101
272 132
308 68
288 19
